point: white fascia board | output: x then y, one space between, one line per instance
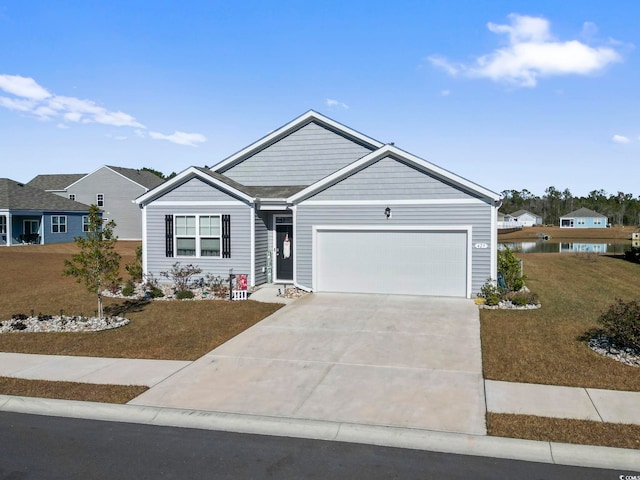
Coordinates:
288 128
391 202
273 204
189 173
382 152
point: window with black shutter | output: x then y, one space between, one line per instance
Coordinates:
168 236
226 236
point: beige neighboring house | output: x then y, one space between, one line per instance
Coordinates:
113 189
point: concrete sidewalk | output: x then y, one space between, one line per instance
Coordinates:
609 406
110 371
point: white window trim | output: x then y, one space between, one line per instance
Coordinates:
85 223
197 236
98 201
59 223
72 196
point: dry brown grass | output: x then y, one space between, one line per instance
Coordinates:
176 330
583 432
531 233
543 346
70 390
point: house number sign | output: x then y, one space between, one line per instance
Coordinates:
481 245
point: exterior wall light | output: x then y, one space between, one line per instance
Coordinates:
387 212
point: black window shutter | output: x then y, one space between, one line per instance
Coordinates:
168 235
226 236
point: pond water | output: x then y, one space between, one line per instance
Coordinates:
559 246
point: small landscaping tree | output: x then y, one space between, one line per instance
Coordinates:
511 270
97 264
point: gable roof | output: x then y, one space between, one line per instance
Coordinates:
519 213
144 178
584 213
55 182
197 172
391 150
292 126
18 196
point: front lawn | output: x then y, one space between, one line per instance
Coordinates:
543 346
165 330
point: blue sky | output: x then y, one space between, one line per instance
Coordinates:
509 94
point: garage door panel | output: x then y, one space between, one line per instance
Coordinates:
396 262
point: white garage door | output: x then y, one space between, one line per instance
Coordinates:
409 262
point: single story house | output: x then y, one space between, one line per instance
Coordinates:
583 218
523 218
112 189
321 206
31 215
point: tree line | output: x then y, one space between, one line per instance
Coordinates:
620 208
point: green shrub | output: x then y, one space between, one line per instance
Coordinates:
155 292
523 298
510 268
621 323
128 289
491 293
184 294
632 254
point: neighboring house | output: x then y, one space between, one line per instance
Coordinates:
583 218
31 215
113 189
321 206
524 218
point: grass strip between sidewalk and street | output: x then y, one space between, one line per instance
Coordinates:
89 392
582 432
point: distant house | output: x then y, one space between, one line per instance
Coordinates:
523 218
31 215
583 218
112 189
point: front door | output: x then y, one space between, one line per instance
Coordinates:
284 248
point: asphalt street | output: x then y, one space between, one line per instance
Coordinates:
48 448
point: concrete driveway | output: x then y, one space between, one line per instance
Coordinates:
403 361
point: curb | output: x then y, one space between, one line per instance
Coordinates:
416 439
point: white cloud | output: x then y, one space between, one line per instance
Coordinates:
445 93
26 96
532 53
620 139
335 103
22 87
181 138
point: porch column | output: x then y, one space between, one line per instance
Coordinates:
9 230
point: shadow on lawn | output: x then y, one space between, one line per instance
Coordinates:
128 306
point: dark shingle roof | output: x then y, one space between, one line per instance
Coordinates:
282 191
522 212
142 177
18 196
584 213
55 181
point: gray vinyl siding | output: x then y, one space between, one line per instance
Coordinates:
240 259
119 193
196 190
390 178
262 246
301 158
478 216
